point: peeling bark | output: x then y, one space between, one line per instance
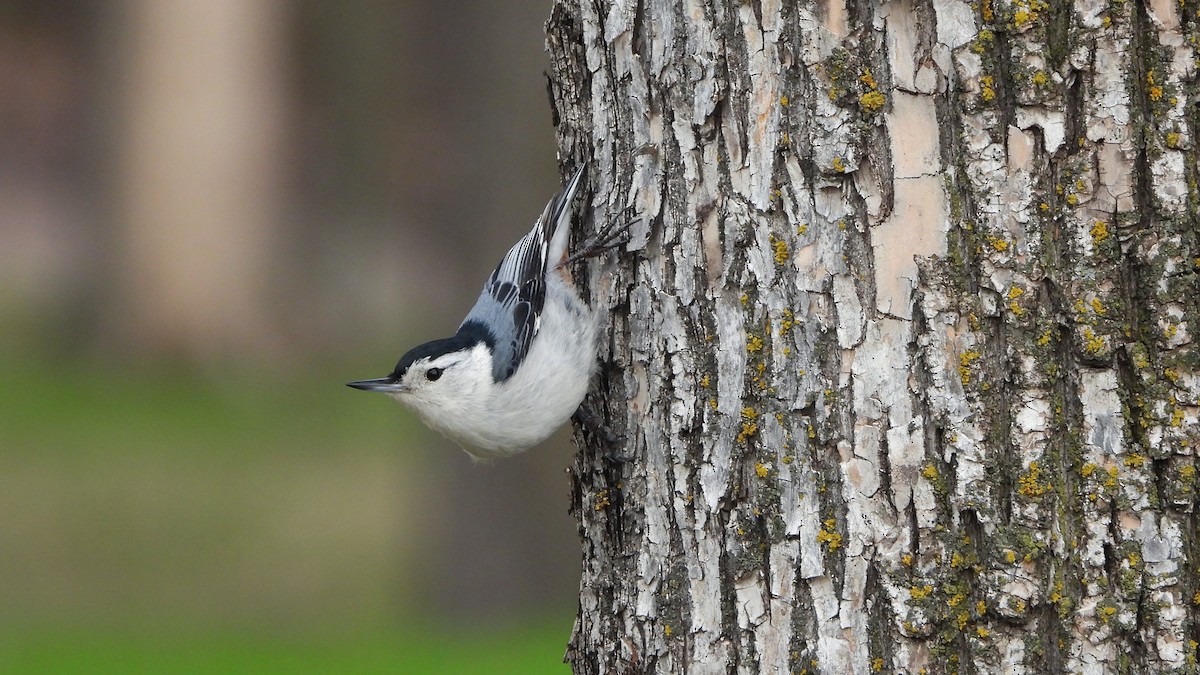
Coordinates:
900 357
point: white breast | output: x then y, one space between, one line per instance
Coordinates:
498 420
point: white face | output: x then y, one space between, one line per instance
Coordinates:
445 383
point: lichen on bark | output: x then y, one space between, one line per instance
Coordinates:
898 371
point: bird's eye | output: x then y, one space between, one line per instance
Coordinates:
433 374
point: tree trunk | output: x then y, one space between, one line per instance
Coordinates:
199 177
900 359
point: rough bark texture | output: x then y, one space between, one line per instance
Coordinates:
901 358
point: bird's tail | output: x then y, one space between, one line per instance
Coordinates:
558 216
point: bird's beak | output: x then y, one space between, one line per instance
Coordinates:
383 384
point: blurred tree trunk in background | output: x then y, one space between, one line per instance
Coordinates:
201 174
905 370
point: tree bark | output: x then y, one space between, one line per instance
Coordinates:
900 360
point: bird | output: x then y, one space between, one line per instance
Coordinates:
521 361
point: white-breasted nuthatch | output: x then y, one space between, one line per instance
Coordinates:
520 363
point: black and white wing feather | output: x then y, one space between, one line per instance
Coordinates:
510 308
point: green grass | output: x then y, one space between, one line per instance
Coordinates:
85 407
531 650
148 484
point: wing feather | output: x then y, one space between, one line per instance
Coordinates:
510 307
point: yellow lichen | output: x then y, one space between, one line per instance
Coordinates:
872 101
1092 344
982 632
986 90
786 324
930 472
1040 78
1098 307
839 165
868 79
1029 483
828 536
1134 460
1155 92
783 101
906 560
781 251
1099 231
920 592
601 502
748 430
1014 306
964 365
1087 470
754 344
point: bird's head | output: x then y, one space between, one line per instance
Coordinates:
438 378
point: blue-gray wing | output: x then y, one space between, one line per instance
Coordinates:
510 307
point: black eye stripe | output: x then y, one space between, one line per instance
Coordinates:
433 374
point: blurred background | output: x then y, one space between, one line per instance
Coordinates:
213 214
